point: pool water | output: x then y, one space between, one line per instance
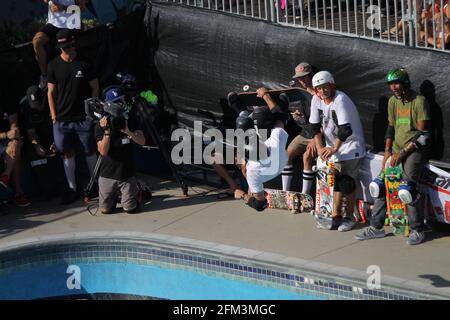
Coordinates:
132 279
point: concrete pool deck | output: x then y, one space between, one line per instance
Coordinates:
231 227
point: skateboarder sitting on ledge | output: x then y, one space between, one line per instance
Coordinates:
269 163
407 140
334 112
303 144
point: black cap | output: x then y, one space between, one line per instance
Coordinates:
64 39
34 96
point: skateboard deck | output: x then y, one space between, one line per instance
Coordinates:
295 202
324 193
396 209
283 98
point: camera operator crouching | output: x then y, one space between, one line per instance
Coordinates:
117 172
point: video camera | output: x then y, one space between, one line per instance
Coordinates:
116 112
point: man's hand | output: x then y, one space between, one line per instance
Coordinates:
261 92
297 115
387 154
397 158
56 7
126 130
40 151
13 134
103 122
312 149
326 153
238 194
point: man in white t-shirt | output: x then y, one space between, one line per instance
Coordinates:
270 156
57 19
334 115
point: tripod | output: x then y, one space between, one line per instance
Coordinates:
88 190
146 121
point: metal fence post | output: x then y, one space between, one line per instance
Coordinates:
411 22
271 4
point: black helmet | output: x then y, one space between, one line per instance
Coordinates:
263 118
244 122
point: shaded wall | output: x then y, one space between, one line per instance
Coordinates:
202 55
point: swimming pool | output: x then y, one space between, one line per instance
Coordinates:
142 266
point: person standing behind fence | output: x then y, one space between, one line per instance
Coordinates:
408 142
70 82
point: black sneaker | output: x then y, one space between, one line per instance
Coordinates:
69 197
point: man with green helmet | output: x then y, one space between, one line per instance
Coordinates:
407 141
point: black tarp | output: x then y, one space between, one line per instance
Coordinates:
201 55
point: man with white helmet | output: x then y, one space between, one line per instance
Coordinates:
334 115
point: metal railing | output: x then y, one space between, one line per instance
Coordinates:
417 23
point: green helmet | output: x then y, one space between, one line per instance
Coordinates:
398 75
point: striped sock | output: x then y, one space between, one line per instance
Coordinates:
308 180
286 177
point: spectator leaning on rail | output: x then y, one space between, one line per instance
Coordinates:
57 20
303 144
70 82
117 171
334 112
272 155
408 142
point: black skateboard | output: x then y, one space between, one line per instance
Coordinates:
282 97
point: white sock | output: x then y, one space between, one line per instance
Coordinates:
69 169
308 180
91 161
286 177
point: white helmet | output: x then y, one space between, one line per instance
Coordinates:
322 77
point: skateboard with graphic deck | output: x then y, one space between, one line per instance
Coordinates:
326 176
283 97
295 202
396 210
324 192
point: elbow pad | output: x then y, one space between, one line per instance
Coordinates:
344 131
390 133
421 139
314 128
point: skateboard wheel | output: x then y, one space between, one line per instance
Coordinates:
246 88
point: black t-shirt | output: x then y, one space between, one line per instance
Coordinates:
72 87
118 164
40 121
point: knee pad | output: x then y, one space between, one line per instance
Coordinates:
258 205
407 192
377 188
344 184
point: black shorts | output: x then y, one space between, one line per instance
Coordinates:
50 30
